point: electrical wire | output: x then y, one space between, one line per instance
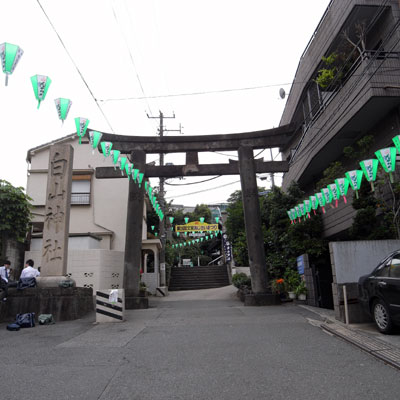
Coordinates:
76 67
202 191
130 56
193 183
200 93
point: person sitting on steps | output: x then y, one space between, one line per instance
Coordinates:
29 271
5 281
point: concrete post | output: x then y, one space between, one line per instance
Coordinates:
134 223
251 206
57 211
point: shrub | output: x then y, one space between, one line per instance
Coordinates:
241 279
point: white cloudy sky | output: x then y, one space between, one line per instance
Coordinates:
155 55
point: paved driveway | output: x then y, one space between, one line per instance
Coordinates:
188 347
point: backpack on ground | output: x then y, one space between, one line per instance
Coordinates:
13 327
25 320
46 319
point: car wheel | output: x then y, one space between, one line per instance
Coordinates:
382 317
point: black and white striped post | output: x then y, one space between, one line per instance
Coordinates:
110 305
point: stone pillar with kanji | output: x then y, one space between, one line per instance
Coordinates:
56 218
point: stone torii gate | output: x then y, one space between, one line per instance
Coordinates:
244 143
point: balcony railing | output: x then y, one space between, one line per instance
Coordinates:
80 198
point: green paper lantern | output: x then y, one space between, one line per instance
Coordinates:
327 195
135 174
211 236
334 192
186 220
94 139
63 106
370 167
217 219
10 54
156 234
396 141
141 175
177 233
121 163
81 127
146 186
314 203
106 148
298 212
321 201
41 84
302 210
307 206
171 219
128 169
387 158
201 219
343 187
206 237
355 178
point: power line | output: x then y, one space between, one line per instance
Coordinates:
202 191
76 67
199 93
131 57
193 183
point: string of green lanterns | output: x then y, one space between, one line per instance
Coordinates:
385 157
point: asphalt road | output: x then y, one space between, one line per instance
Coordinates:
191 346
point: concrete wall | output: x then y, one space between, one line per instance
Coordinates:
350 260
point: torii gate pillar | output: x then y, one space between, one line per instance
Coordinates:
254 236
133 241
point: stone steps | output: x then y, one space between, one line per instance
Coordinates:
194 278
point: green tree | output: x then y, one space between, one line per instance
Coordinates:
15 213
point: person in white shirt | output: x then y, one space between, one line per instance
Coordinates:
29 271
4 279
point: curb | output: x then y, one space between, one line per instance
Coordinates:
383 351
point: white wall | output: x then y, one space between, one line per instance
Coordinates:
350 260
98 269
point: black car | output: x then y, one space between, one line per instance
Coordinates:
379 293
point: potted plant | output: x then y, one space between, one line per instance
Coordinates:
142 290
292 279
301 291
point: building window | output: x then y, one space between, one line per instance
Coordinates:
80 192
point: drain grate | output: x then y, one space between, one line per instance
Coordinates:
378 349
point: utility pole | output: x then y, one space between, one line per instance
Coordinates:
163 237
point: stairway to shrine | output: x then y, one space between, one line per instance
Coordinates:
203 277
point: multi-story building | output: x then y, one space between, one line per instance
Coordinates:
362 98
97 219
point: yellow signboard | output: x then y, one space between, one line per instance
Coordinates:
196 226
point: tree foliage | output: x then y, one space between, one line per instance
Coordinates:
283 242
15 212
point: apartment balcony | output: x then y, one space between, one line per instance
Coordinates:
370 91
